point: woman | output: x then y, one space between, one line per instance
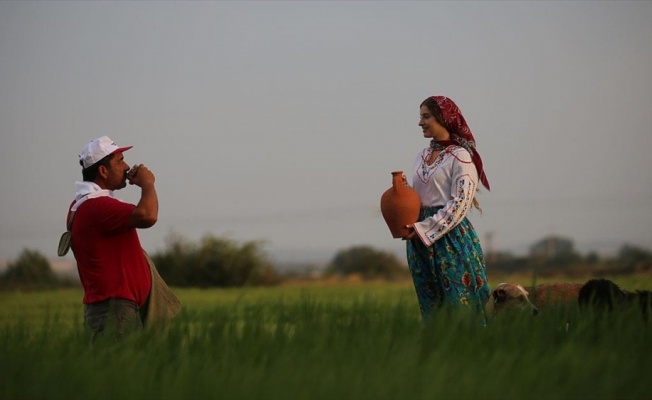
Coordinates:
443 249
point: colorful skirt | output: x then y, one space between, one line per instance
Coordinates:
451 272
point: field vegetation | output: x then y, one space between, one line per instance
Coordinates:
352 332
360 340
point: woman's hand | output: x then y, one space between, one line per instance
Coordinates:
411 232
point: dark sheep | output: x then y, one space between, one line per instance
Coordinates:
603 294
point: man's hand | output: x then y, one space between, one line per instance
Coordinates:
140 175
145 214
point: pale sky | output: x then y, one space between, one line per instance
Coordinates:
282 121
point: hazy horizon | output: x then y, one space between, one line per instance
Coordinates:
282 121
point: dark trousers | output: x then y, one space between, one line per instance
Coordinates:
112 319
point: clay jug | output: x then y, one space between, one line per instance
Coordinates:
399 205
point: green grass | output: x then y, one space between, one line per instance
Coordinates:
336 342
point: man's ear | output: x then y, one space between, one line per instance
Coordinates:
103 171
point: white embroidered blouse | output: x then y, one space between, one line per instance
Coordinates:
450 181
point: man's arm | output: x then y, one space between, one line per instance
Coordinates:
145 214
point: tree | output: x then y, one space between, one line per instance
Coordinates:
552 246
368 262
634 258
554 251
31 270
214 262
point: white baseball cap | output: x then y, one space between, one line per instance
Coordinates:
97 149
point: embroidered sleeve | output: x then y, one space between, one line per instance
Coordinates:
463 186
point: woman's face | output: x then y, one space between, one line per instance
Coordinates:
430 127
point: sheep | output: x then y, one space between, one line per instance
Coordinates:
557 293
509 296
605 295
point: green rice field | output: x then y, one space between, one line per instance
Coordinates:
362 341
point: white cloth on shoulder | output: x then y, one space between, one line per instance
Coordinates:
88 190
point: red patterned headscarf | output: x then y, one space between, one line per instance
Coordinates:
456 125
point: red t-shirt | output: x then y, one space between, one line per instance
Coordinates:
110 259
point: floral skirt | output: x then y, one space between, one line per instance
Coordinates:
451 272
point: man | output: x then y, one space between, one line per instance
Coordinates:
112 266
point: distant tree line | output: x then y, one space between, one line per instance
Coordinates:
214 262
368 263
218 262
221 262
554 255
31 270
